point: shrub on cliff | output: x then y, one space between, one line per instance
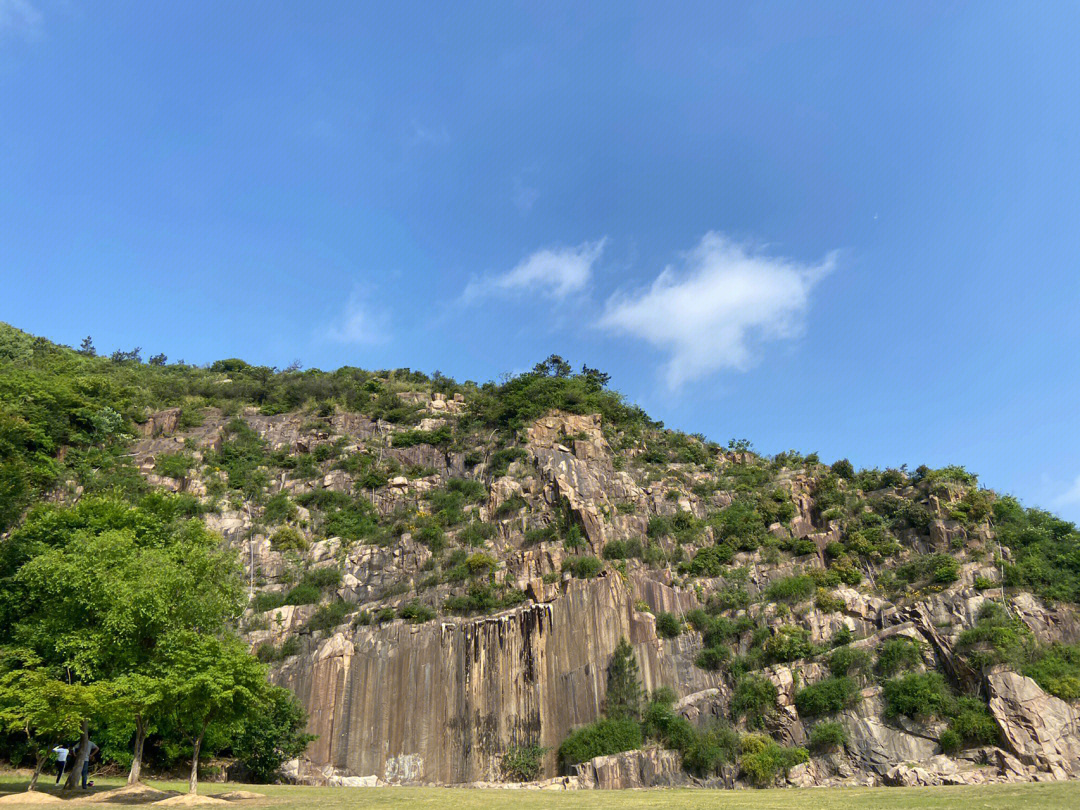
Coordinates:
754 699
606 736
918 695
763 759
522 763
826 697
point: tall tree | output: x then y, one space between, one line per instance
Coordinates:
213 681
95 587
624 691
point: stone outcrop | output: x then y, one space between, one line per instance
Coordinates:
1041 729
649 767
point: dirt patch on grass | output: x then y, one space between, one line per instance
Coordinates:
30 797
191 800
239 795
132 794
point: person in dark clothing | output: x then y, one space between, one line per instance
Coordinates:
86 762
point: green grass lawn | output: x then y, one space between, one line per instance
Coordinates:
1051 796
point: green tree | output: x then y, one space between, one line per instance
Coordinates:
272 734
212 681
624 691
46 709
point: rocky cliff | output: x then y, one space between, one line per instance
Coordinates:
458 637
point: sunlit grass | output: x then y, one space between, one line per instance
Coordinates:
1048 796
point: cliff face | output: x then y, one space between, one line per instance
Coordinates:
408 698
440 702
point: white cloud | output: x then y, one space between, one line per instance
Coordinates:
1069 496
20 18
554 272
714 311
358 324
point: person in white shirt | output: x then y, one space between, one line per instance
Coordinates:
61 761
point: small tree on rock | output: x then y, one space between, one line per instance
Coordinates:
624 691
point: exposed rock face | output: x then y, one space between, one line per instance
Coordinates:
439 702
650 767
1043 730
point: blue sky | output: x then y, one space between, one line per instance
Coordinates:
847 227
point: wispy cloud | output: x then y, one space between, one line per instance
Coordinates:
20 18
554 272
359 324
716 309
1070 496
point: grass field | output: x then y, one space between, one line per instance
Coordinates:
1051 796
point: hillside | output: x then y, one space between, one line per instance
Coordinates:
442 573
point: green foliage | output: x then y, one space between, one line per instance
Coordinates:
950 741
754 699
763 759
623 549
174 465
522 763
271 734
897 654
827 736
484 598
329 616
795 588
826 697
279 509
917 695
288 539
511 506
668 625
850 661
789 643
939 568
583 567
973 723
1045 550
827 601
606 736
417 612
623 698
711 561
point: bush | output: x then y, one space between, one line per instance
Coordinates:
522 763
790 643
711 561
303 594
755 699
849 661
710 748
416 612
174 465
327 617
668 625
584 567
826 697
606 736
950 742
763 759
622 550
828 602
791 589
917 695
511 506
897 654
288 539
827 737
973 723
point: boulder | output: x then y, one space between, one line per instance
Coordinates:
650 767
1041 729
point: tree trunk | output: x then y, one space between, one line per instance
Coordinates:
42 758
193 781
136 761
83 755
